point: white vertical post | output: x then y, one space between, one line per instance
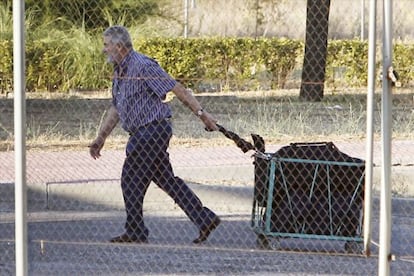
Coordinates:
369 163
185 18
384 260
362 20
19 137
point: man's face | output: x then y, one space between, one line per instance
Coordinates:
111 50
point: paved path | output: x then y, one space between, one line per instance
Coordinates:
58 164
224 163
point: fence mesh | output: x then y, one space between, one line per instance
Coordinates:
277 189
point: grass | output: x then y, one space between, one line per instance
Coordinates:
70 123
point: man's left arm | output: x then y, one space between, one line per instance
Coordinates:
188 99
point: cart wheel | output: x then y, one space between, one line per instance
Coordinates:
268 243
354 247
262 241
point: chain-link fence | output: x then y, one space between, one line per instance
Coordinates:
277 189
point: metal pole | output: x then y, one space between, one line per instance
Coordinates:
362 20
369 164
185 18
257 20
385 209
19 136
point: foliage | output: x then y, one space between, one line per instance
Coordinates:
347 60
6 21
281 60
403 59
91 15
76 64
177 56
63 51
234 62
73 60
6 65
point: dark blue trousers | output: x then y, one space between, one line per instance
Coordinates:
147 160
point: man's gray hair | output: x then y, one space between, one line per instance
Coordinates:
119 35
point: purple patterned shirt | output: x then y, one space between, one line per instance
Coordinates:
139 87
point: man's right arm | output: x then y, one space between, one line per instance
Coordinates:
109 123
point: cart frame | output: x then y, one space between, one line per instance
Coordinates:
261 215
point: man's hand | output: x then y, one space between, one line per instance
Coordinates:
209 121
95 147
108 125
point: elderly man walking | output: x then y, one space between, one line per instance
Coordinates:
139 87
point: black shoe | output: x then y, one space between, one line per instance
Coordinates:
206 232
125 238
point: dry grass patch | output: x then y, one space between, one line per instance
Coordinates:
71 122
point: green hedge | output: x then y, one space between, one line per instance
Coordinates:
234 63
403 62
347 63
6 65
222 63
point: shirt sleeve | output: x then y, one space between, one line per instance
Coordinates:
158 80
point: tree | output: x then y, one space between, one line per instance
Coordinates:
91 15
316 48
